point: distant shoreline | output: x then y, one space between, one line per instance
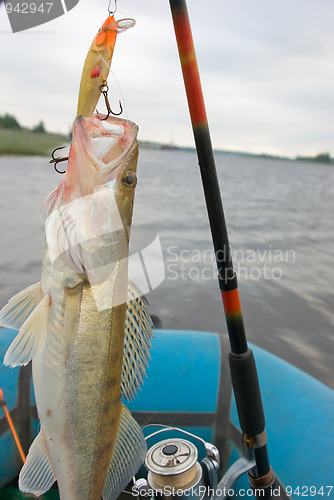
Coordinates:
320 158
24 142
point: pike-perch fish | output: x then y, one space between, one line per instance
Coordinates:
85 328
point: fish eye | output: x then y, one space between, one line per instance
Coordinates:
129 179
99 31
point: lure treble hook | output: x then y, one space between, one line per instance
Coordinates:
104 90
58 160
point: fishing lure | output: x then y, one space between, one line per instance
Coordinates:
97 64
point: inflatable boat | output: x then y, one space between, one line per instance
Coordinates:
188 386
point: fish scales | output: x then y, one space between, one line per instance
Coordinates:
94 425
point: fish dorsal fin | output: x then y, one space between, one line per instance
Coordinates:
138 331
128 455
36 475
29 339
19 307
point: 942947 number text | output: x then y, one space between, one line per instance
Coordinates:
29 7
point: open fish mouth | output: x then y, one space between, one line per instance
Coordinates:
105 142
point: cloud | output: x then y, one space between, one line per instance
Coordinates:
267 71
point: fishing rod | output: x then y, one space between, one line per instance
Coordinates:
11 426
242 363
3 405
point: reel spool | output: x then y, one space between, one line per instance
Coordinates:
174 470
172 465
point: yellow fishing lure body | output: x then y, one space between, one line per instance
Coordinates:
97 64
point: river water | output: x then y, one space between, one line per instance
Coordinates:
281 228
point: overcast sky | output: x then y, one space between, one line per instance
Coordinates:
267 69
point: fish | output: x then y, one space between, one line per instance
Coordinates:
85 327
97 63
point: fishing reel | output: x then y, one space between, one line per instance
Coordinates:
174 470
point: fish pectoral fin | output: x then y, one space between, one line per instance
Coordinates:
31 334
128 455
138 331
36 475
19 307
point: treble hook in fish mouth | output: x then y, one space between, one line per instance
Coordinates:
104 90
58 160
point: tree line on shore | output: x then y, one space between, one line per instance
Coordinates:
320 158
8 121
